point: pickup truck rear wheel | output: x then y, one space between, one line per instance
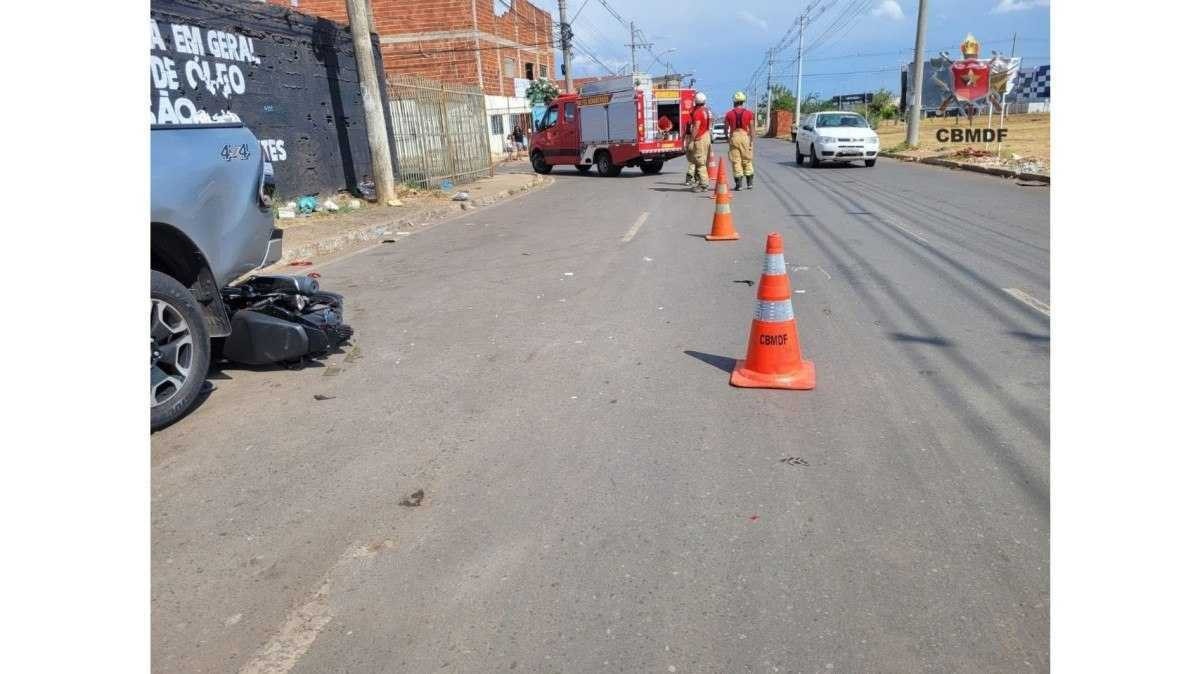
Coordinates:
605 165
652 167
179 350
539 162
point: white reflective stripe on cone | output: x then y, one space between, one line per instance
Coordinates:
774 311
723 208
774 265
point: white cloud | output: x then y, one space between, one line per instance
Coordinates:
1006 6
749 19
890 9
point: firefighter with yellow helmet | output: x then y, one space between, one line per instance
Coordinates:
697 141
740 123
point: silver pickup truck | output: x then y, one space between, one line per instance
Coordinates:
211 224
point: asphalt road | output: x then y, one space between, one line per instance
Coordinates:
596 497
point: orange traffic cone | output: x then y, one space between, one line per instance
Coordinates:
712 164
722 179
773 356
722 223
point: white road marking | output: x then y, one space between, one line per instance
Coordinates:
636 226
300 630
825 272
1029 299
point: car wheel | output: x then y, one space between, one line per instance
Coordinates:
539 162
799 157
583 168
652 167
179 350
604 164
869 163
813 160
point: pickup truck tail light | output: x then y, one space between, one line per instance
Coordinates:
266 184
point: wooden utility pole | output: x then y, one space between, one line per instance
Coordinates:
368 80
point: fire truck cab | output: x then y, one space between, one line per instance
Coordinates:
612 123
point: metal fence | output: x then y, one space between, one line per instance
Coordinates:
440 131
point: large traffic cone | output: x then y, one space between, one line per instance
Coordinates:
773 356
722 223
712 164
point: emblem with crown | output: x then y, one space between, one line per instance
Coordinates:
970 47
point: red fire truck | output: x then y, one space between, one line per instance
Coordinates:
613 123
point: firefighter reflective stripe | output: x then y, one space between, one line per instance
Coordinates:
774 311
773 264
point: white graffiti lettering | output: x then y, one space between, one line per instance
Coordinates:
156 41
274 149
187 39
162 73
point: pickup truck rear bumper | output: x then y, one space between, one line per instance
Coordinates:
274 248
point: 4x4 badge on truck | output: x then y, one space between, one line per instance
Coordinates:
235 152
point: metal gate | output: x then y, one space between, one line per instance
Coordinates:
440 131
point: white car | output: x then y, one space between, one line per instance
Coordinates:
836 137
720 132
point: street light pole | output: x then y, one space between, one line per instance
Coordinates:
800 67
913 133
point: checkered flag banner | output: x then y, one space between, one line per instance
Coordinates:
1033 84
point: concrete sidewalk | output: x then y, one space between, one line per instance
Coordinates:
322 235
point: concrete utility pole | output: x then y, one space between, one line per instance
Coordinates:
565 34
770 65
632 49
912 134
800 67
377 140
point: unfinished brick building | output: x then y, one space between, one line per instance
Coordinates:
497 45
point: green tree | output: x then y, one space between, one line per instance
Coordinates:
781 99
881 106
540 91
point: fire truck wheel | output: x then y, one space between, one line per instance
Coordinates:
652 167
539 162
605 165
583 168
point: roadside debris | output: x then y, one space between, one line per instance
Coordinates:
300 263
747 281
354 204
307 204
330 205
286 213
793 461
413 499
461 196
395 202
323 397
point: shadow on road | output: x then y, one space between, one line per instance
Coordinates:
723 363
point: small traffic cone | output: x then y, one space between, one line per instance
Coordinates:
722 179
712 164
722 223
773 356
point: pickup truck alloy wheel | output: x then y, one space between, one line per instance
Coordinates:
179 350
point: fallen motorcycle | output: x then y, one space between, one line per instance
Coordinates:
282 319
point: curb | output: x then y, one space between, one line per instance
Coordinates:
965 166
423 217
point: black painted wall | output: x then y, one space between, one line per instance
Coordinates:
290 77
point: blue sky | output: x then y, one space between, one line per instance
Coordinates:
723 42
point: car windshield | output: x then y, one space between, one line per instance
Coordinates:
826 121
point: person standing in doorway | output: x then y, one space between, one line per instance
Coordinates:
698 141
518 137
740 123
